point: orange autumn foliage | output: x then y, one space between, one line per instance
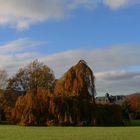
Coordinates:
70 102
77 81
31 109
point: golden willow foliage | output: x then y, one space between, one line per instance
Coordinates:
70 111
31 109
41 109
76 82
68 101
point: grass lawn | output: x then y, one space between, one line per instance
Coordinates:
68 133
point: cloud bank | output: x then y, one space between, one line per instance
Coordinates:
112 66
18 52
20 14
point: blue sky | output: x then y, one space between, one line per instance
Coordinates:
83 28
60 32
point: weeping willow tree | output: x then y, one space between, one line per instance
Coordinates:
31 109
77 81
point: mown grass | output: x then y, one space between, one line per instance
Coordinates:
69 133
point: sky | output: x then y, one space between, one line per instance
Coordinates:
105 33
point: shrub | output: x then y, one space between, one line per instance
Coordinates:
108 115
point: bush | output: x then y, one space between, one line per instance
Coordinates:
108 115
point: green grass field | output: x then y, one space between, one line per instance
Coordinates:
69 133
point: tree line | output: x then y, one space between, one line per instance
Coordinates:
33 96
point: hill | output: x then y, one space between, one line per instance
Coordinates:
134 94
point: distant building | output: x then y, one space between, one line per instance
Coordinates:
116 99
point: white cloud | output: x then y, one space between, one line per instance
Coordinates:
17 53
20 14
118 82
101 60
19 45
115 4
117 75
110 64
